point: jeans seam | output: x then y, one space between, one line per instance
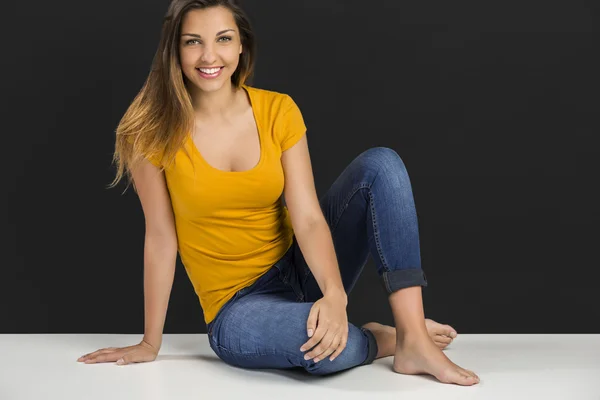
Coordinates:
347 201
339 216
375 231
289 269
299 296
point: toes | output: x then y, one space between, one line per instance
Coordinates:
440 329
467 378
442 339
471 376
441 345
449 331
459 377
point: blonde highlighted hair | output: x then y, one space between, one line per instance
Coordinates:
161 115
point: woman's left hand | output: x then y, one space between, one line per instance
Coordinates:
328 321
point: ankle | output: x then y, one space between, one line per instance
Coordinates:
411 337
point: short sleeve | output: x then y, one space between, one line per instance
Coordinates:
154 159
293 124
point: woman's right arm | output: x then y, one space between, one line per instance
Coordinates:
160 248
160 255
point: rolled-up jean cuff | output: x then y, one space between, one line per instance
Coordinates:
372 347
403 278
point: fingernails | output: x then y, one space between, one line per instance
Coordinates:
310 333
121 361
453 334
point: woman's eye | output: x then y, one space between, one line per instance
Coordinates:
222 37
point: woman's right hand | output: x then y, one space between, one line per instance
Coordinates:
142 352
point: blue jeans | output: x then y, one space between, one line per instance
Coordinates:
370 210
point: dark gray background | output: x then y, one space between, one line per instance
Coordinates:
493 107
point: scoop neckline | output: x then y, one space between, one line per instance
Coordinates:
260 139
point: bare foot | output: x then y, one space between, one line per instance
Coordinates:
386 336
419 355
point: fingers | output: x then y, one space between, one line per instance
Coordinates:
326 347
325 334
332 341
104 356
122 355
108 354
316 338
311 322
341 347
129 358
333 347
95 354
108 357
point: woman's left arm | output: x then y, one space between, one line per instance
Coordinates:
328 319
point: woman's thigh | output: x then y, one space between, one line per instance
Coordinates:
261 330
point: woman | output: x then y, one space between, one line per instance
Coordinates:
210 158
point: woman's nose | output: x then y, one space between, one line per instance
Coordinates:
208 55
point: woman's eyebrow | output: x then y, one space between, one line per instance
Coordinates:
198 36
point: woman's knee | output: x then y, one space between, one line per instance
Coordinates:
382 161
360 350
270 336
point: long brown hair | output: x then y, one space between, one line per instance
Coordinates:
159 118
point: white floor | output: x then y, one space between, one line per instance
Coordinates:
565 367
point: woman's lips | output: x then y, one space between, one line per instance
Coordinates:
209 76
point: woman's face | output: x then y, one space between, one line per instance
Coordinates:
209 39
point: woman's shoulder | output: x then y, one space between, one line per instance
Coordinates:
269 96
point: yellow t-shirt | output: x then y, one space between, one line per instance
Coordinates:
232 226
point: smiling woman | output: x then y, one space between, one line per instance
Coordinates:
211 159
224 45
158 121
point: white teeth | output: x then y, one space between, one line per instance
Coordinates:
210 71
